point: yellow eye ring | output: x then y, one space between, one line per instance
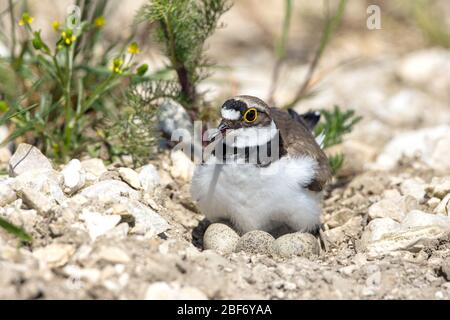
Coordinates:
250 115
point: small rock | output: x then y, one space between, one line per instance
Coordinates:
130 176
147 221
430 145
149 178
7 194
394 208
54 255
173 291
73 176
113 255
444 206
350 229
182 167
439 187
173 116
433 202
98 224
415 188
94 168
36 200
340 217
254 242
109 189
43 181
296 244
26 158
416 231
221 238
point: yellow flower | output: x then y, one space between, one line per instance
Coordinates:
68 38
26 19
117 65
56 25
100 21
133 48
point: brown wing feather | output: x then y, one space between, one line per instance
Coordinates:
298 140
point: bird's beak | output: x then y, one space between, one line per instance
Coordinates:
223 127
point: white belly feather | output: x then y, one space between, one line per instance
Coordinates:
259 198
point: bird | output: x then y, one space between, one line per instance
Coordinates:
266 171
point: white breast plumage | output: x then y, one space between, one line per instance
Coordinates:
259 198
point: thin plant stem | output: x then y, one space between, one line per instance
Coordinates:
13 29
330 26
281 49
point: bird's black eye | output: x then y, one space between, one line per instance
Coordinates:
250 115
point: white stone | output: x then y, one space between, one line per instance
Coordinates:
148 222
73 176
173 291
439 187
113 255
149 178
130 176
109 189
98 224
26 158
7 194
54 255
182 167
94 168
395 208
417 229
44 181
444 206
414 187
428 68
430 145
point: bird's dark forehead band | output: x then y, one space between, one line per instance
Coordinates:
236 105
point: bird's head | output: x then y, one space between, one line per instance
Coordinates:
247 121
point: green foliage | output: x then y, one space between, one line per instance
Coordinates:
335 125
134 130
64 89
182 27
16 231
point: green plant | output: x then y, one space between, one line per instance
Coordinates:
64 89
182 27
134 131
334 126
16 231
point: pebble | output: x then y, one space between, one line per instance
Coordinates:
98 224
296 244
149 178
113 255
73 176
221 238
7 194
173 116
439 187
182 167
254 242
131 177
395 208
93 168
26 158
109 189
444 206
54 255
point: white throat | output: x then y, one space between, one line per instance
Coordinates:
251 137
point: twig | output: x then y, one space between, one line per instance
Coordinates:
281 50
330 27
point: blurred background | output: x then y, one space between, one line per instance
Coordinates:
396 77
